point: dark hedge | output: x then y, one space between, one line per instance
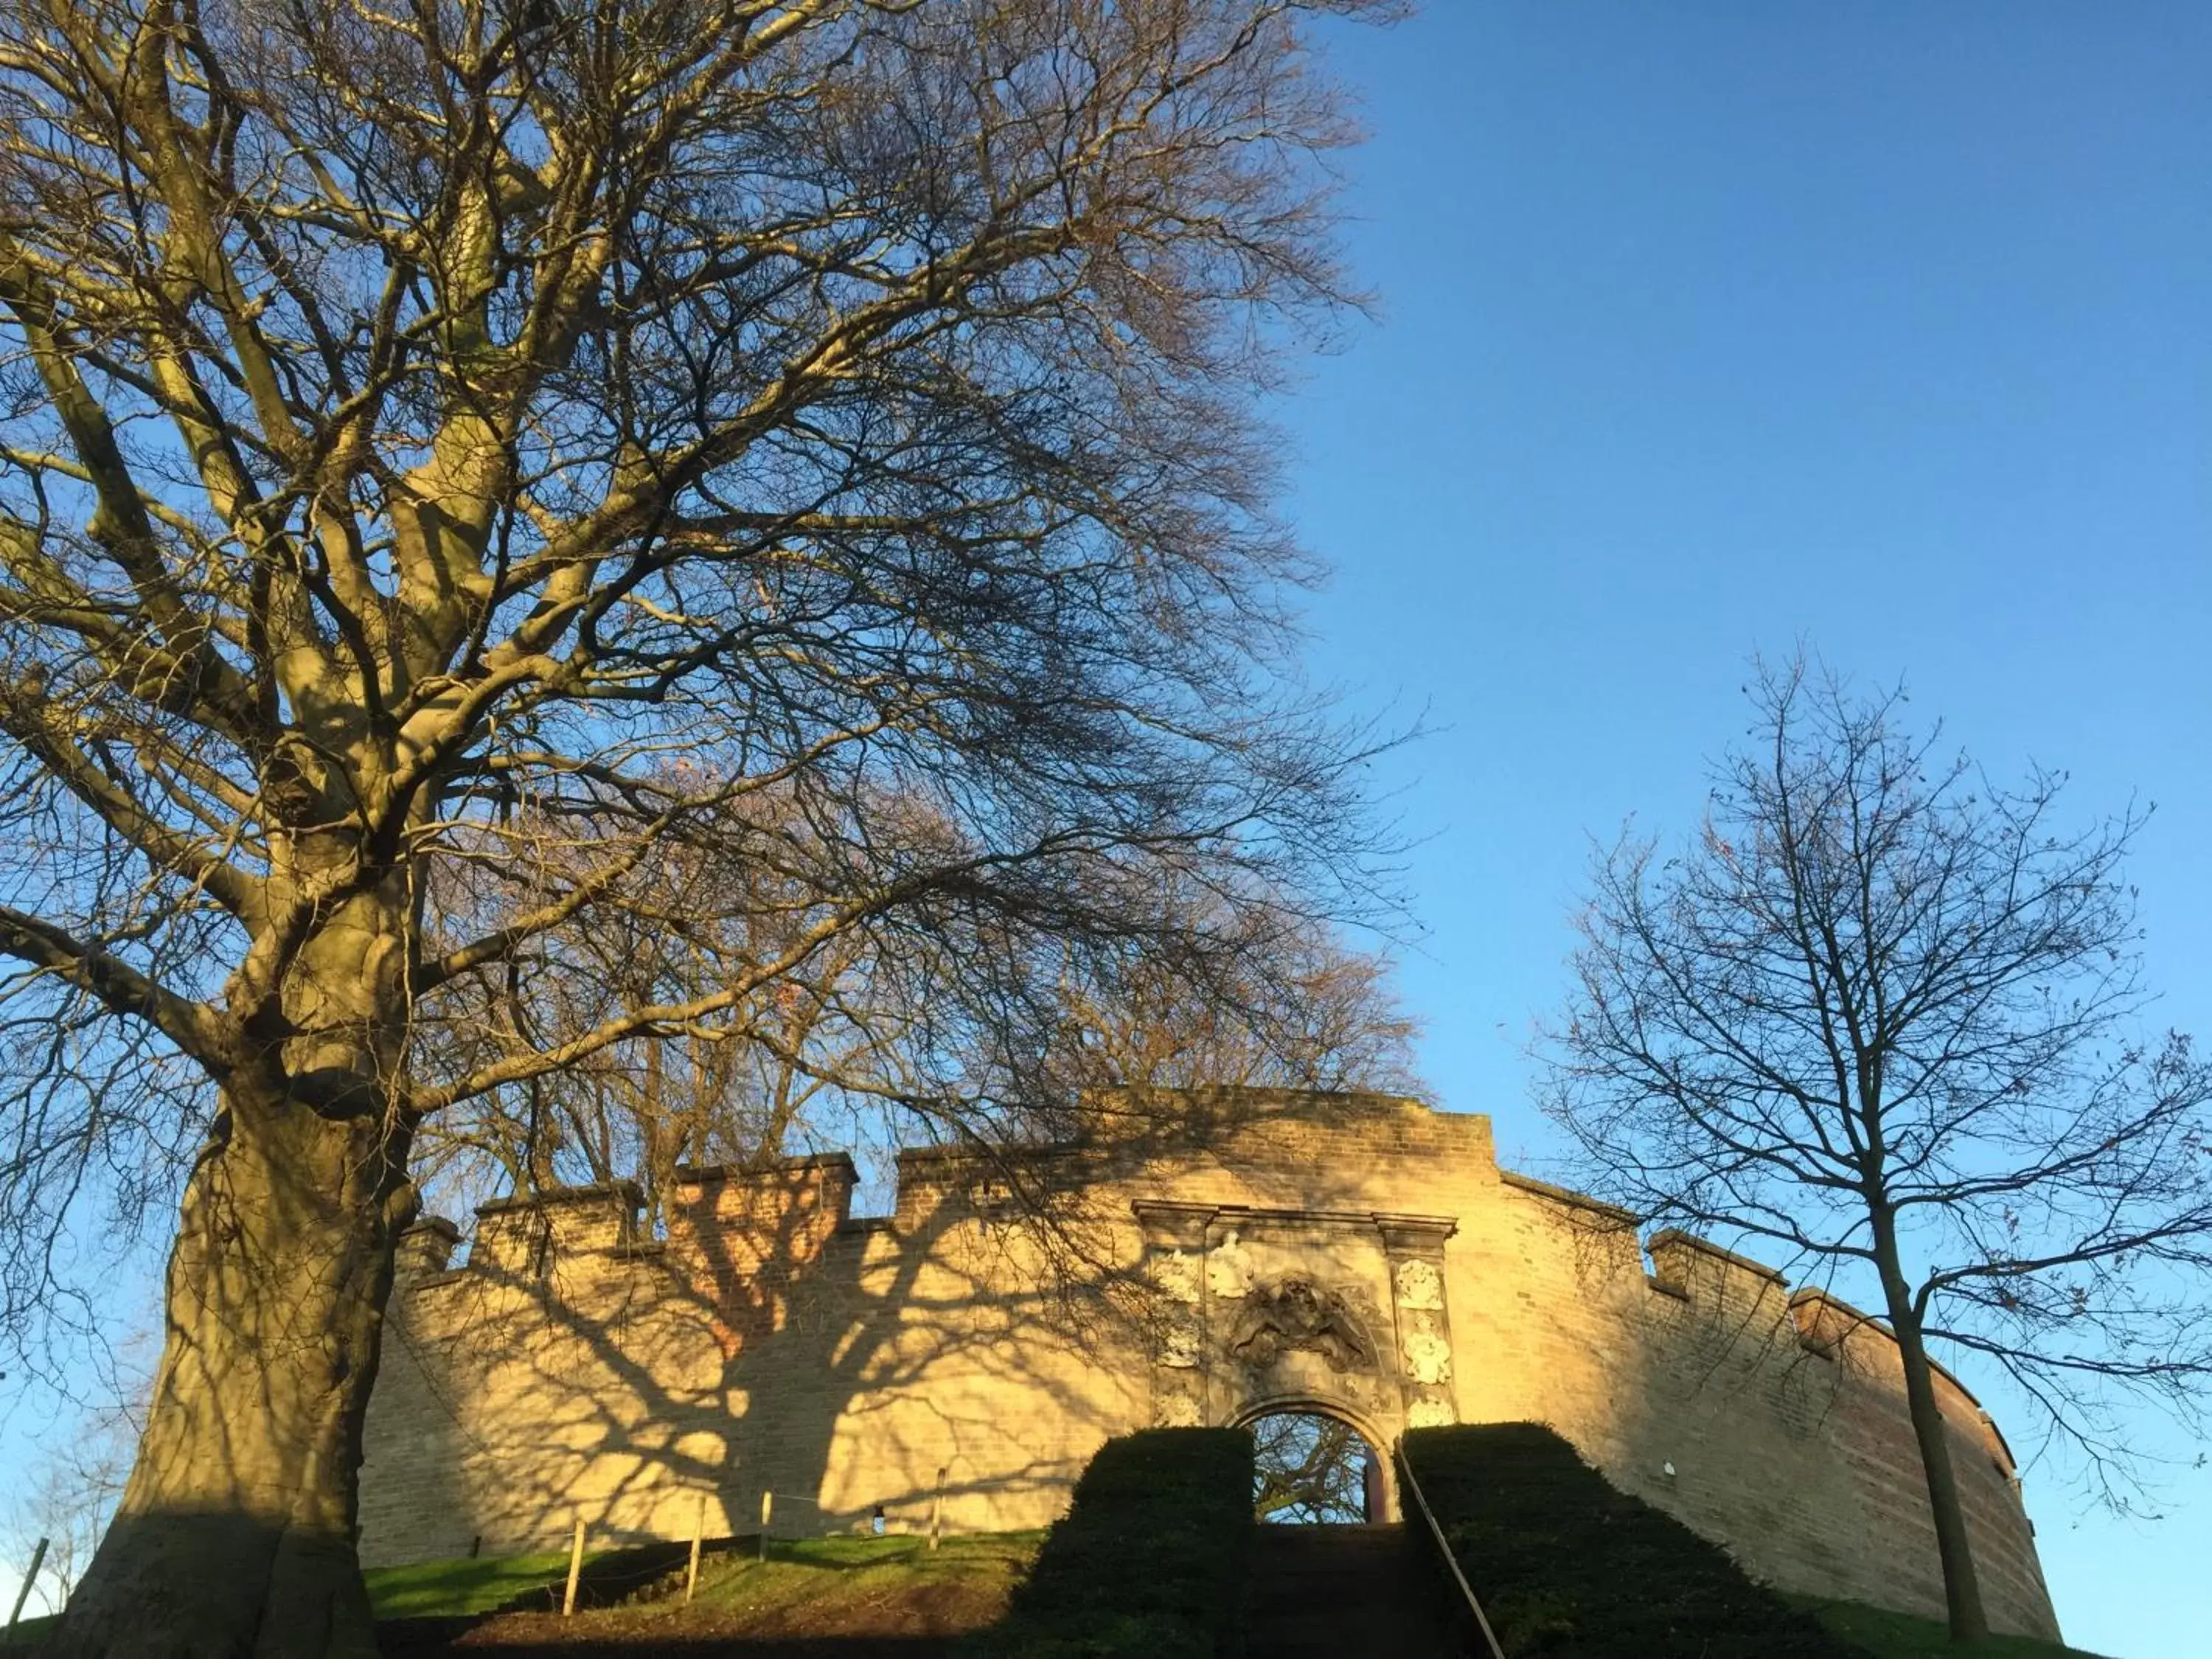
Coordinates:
1150 1559
1569 1567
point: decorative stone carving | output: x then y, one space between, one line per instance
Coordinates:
1177 1411
1428 1357
1425 1349
1420 1285
1296 1314
1180 1343
1176 1275
1228 1269
1177 1278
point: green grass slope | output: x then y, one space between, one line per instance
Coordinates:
822 1585
799 1573
430 1589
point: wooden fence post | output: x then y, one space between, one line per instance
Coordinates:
38 1560
575 1567
937 1511
698 1532
768 1508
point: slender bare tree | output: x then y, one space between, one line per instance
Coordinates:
1883 1014
802 1056
527 436
67 1493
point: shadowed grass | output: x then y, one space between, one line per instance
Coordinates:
1889 1635
1150 1561
818 1581
29 1631
871 1596
1569 1567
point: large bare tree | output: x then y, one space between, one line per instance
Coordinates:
817 435
1882 1017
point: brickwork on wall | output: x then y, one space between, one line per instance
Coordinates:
1198 1258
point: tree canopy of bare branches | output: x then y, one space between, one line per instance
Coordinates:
1307 1470
472 470
1883 1017
860 1046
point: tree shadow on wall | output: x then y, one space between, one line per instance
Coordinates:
573 1368
976 1346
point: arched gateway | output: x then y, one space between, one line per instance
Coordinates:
1202 1258
1318 1464
1262 1309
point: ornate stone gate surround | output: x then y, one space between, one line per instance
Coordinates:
1261 1310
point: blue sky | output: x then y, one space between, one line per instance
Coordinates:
1708 328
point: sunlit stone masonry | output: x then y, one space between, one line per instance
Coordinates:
1205 1257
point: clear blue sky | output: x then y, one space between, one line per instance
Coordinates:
1708 327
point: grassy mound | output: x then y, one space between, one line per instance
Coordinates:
1150 1559
1568 1566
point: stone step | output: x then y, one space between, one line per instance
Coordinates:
1362 1592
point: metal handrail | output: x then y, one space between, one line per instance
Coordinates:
1437 1532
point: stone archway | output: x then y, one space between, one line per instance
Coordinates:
1384 1498
1342 1314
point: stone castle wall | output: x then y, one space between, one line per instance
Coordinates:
964 1356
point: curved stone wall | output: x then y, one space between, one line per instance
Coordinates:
1197 1259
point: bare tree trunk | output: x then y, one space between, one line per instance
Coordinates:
235 1534
1962 1588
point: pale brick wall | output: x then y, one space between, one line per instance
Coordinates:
962 1351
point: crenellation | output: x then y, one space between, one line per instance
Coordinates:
804 1191
524 1235
425 1248
1357 1254
1699 1266
1605 1215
